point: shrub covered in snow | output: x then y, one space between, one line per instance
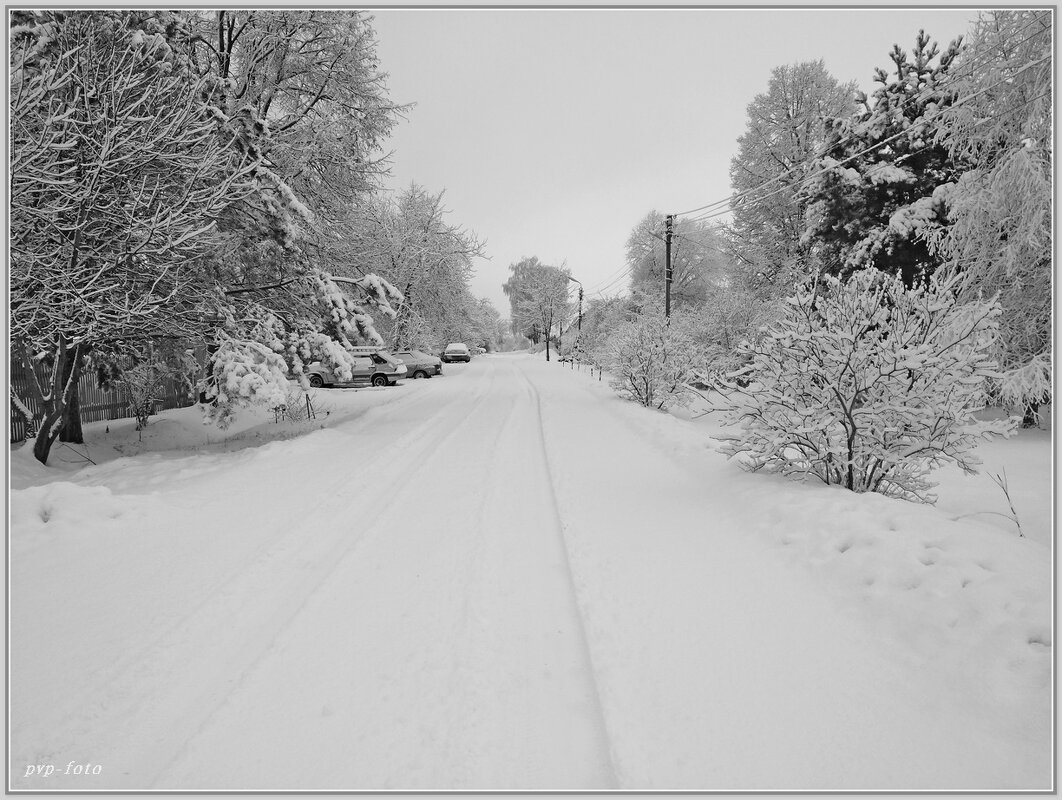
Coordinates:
866 384
244 373
144 384
651 359
731 315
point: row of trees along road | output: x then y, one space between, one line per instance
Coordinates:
184 179
891 252
945 168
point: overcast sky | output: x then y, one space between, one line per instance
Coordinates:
554 131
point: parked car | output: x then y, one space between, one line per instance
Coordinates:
476 351
372 366
457 351
420 364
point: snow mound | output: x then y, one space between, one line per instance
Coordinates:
64 508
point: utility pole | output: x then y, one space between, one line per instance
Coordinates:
667 266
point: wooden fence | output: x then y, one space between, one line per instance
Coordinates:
96 404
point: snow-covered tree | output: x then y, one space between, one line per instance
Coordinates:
301 92
601 317
117 173
538 298
786 129
409 242
697 260
734 314
651 358
999 211
879 161
514 288
152 197
484 318
867 384
543 301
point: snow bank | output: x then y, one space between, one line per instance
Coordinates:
184 432
912 648
63 508
945 586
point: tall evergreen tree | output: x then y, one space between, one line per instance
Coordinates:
880 161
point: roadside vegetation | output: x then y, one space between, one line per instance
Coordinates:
196 198
206 185
884 273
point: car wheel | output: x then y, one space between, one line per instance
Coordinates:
316 381
420 374
379 380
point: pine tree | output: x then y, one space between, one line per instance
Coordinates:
880 161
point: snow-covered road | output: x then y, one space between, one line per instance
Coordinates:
490 581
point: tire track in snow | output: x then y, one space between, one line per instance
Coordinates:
201 658
456 745
590 673
472 676
411 464
119 669
128 669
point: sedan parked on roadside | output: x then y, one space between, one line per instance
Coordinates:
374 367
457 351
420 364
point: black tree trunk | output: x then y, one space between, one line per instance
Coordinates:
63 389
71 428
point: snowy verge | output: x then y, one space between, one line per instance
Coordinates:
943 585
182 432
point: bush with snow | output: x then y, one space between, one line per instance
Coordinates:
243 374
651 359
866 384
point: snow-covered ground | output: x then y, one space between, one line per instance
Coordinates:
509 578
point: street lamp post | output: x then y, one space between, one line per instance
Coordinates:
580 301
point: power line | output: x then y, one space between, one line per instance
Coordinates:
600 292
873 147
729 204
920 95
608 280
